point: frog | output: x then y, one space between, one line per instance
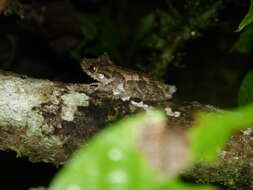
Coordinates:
123 83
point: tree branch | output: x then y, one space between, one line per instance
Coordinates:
47 121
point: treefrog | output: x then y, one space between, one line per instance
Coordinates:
124 83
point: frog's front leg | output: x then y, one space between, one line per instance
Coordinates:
125 90
117 89
95 84
102 84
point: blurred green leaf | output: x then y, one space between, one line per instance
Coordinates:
245 95
88 24
212 131
145 27
37 188
76 53
109 161
245 42
100 35
247 19
109 38
112 161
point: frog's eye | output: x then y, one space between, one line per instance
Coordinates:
92 69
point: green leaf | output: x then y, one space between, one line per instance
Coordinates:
88 24
248 18
109 39
109 161
145 27
100 35
245 42
213 130
112 161
246 90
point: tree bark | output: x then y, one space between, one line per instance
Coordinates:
47 121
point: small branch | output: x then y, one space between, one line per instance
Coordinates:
174 28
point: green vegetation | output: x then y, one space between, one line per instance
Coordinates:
99 34
112 160
246 91
248 19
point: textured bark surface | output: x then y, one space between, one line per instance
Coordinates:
47 121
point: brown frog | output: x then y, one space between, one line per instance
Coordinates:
124 83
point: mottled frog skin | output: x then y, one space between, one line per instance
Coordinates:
124 83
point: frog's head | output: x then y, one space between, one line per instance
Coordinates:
98 68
